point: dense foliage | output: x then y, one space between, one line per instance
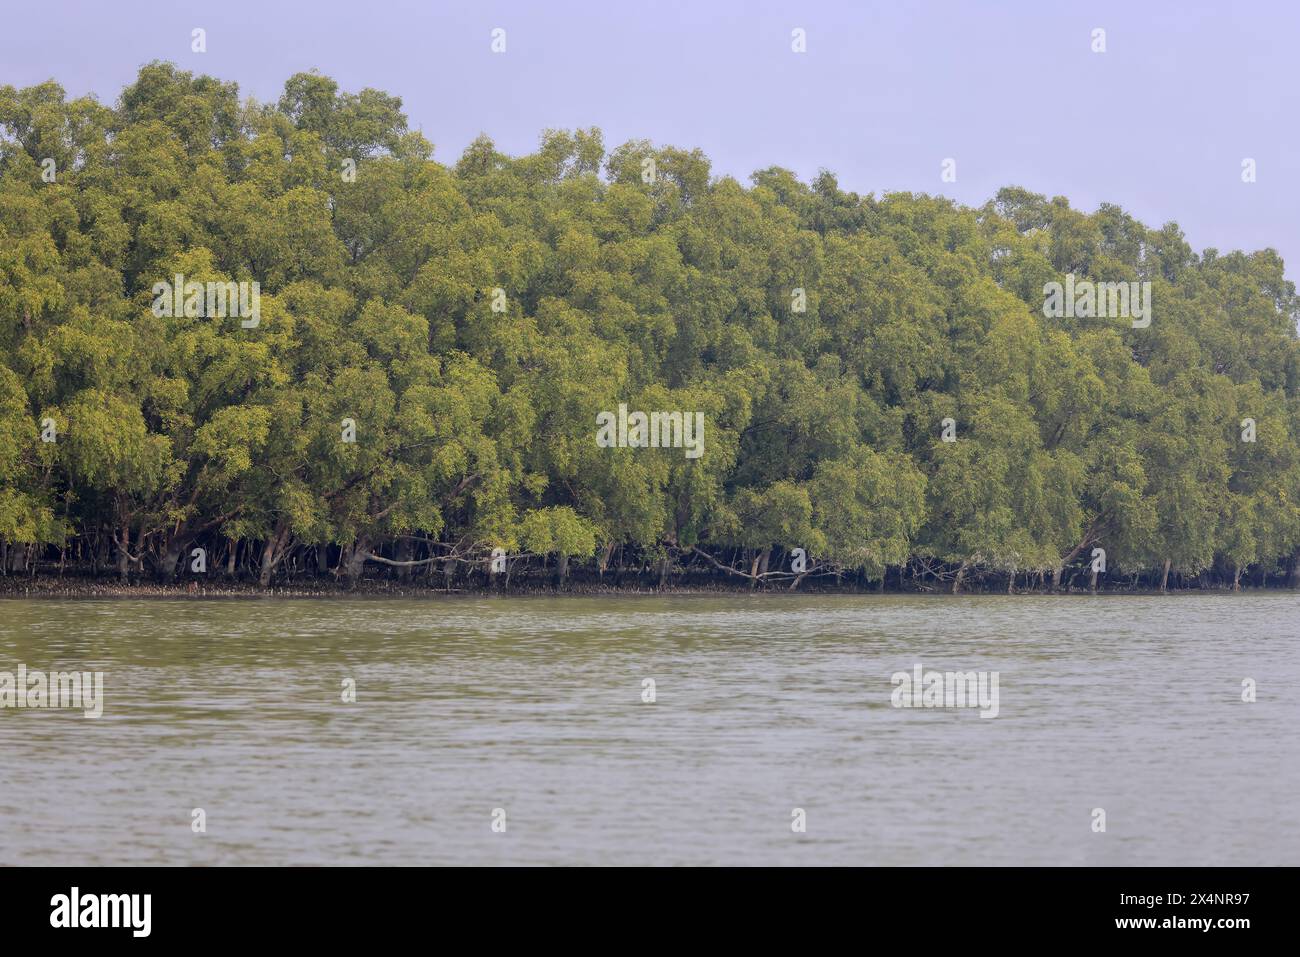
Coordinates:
475 428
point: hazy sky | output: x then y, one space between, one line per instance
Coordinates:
1158 124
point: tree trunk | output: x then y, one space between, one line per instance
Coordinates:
758 566
961 576
268 552
404 555
172 551
1088 538
272 554
124 552
1164 577
355 560
16 560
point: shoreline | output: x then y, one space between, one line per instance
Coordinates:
74 588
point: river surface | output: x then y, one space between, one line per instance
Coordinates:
529 712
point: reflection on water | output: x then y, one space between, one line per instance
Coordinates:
764 704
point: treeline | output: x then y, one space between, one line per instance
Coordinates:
470 321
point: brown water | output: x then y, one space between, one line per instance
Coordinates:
763 705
